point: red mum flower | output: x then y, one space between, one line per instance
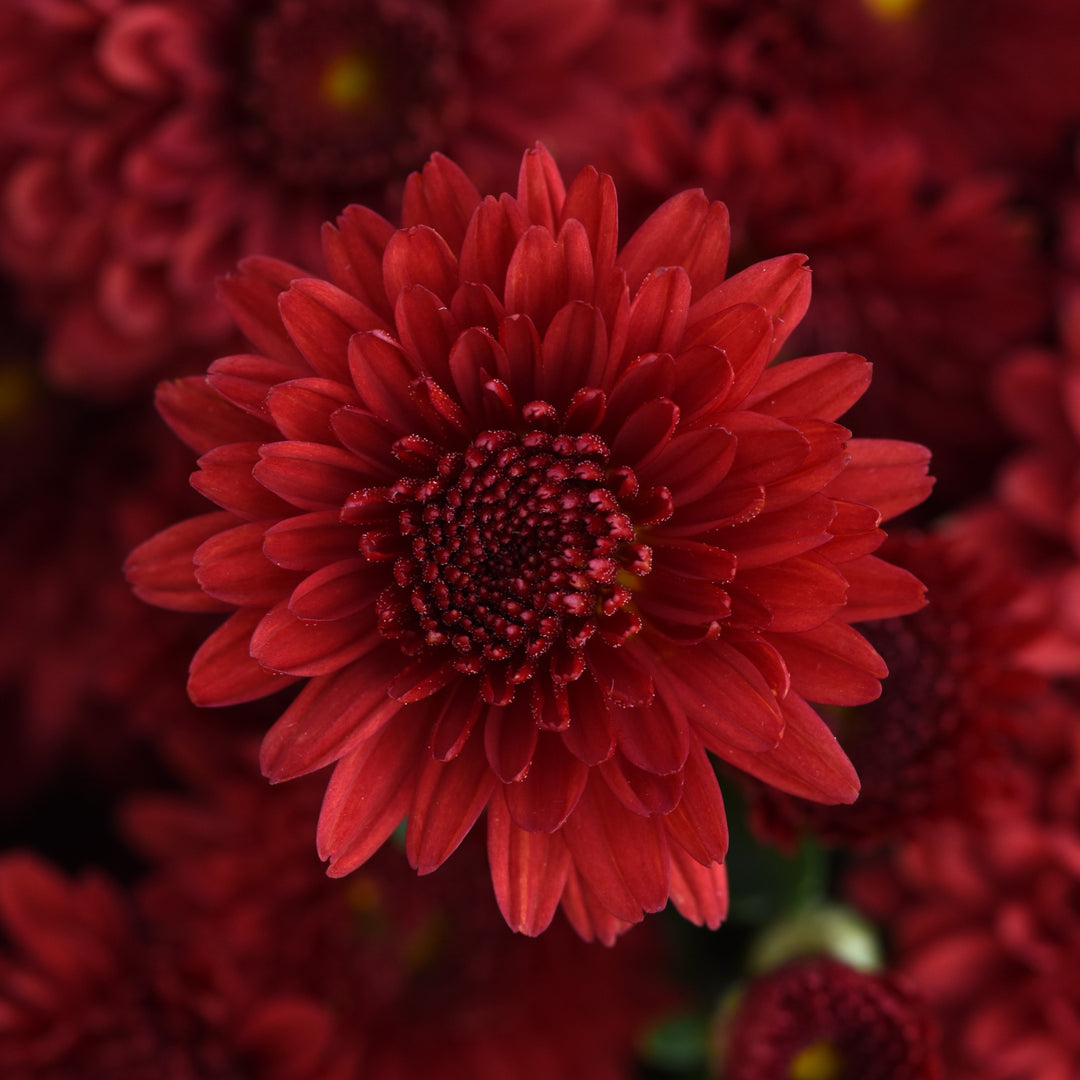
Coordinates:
146 147
540 525
985 916
935 743
85 991
821 1020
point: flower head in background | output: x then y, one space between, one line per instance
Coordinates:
818 1019
539 525
145 147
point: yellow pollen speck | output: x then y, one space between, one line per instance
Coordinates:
893 10
818 1061
348 82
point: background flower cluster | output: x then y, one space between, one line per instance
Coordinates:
163 909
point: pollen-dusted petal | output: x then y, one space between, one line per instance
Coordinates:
658 312
320 318
801 592
282 642
528 869
699 824
419 256
440 195
824 386
879 590
621 855
574 353
699 893
427 330
231 566
808 761
331 716
777 535
885 473
490 241
245 380
309 541
832 664
723 695
449 797
781 286
337 591
510 735
225 476
223 672
639 790
354 256
540 189
687 231
369 793
252 297
161 570
382 374
591 199
590 737
546 795
302 408
202 419
310 476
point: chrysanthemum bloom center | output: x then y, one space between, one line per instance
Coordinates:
818 1061
514 544
349 93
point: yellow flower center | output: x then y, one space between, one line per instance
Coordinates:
893 10
348 83
818 1061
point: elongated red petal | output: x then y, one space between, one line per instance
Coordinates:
700 893
231 566
545 797
226 477
825 386
832 664
282 642
885 473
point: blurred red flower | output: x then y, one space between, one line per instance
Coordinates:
817 1018
146 147
541 525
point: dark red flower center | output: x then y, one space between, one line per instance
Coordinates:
347 92
514 544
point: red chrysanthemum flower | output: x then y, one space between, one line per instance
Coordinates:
541 525
818 1019
145 147
935 743
985 916
86 991
424 975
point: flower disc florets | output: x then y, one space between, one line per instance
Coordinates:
541 525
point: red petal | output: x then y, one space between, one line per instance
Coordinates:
331 716
422 678
161 570
546 796
540 188
491 240
223 672
693 559
369 794
649 376
226 477
658 312
671 597
822 386
640 791
879 590
427 330
724 696
590 736
826 460
369 439
251 297
700 893
354 254
311 476
521 344
528 870
510 734
885 474
655 738
449 798
645 433
320 318
768 448
339 590
440 195
774 536
245 380
309 541
536 278
698 824
687 231
419 256
282 642
573 355
382 374
693 465
460 709
588 916
475 358
621 855
591 199
832 664
744 332
302 408
854 532
619 673
203 419
703 381
808 762
799 593
231 566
